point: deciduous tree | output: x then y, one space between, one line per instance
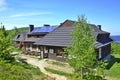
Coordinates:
4 47
81 52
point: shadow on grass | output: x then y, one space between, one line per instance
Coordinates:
14 54
93 77
111 63
23 60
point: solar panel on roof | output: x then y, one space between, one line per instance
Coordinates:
44 29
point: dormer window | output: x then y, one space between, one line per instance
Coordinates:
18 36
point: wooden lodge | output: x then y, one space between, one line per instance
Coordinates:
49 44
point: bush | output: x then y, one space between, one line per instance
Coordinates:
19 71
92 77
7 56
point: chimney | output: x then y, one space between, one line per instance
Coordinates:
46 25
99 26
31 27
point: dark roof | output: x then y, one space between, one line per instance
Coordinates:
31 39
20 37
97 30
59 37
103 41
71 21
37 31
40 31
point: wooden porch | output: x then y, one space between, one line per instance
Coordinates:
55 57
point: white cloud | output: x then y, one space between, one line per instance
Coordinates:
3 5
16 15
3 8
29 14
2 2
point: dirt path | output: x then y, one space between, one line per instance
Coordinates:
40 64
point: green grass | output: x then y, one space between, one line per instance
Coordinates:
116 55
15 49
67 75
35 71
114 71
57 72
113 67
19 71
57 63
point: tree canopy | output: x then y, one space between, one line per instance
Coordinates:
10 69
4 47
81 52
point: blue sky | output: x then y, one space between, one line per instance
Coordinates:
21 13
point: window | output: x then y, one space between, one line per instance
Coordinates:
59 52
51 50
34 46
18 36
17 42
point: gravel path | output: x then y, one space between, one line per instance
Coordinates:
40 64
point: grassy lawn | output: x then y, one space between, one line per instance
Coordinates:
59 66
113 68
35 71
62 64
57 72
19 71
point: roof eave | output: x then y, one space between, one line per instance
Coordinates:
104 44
